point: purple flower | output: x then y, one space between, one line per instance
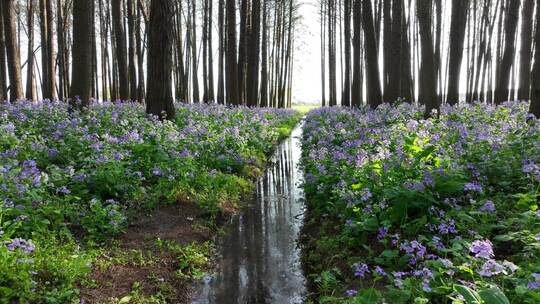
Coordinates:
366 194
380 271
64 190
351 292
381 233
473 187
27 246
361 269
488 207
537 237
482 249
491 268
533 285
157 172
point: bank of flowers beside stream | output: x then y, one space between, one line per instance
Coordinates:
70 182
407 210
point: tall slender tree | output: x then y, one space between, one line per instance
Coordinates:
535 92
346 96
12 50
457 39
3 73
120 48
81 67
159 100
428 85
357 84
253 55
232 75
31 93
372 62
132 54
526 50
394 66
503 75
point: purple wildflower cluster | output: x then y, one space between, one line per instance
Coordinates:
430 192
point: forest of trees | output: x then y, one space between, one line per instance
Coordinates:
429 51
241 52
149 50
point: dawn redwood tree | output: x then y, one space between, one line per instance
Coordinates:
393 68
526 50
346 95
429 83
159 99
231 65
252 84
12 50
503 75
30 87
221 54
120 48
457 39
357 83
3 73
47 49
81 67
372 63
132 58
535 91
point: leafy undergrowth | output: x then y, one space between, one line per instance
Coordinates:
406 210
71 182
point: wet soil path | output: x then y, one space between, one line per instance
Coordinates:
260 258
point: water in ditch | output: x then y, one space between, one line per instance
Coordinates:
260 258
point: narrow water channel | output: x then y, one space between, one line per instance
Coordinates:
260 259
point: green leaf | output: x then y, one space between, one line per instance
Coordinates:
369 296
471 296
493 296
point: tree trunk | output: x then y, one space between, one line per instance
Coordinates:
159 64
120 48
457 39
82 64
3 73
323 52
232 75
205 50
132 60
140 57
394 65
406 90
221 59
12 50
332 12
346 96
372 62
253 55
30 88
194 61
526 52
387 46
62 54
535 92
264 59
356 90
503 75
243 50
210 94
429 85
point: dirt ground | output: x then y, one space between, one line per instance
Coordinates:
135 270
